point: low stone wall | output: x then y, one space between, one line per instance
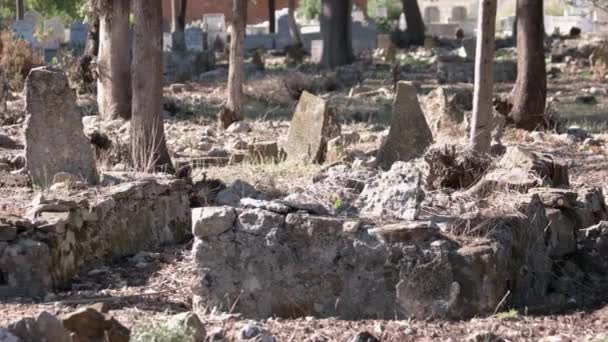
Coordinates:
61 237
269 262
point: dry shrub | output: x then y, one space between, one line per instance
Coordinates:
17 58
453 168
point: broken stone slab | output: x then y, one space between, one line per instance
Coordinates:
409 135
264 151
306 202
442 116
88 324
468 49
54 137
515 179
313 124
274 206
395 194
233 193
556 198
547 168
45 327
406 232
212 221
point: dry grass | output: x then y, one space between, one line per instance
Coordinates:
271 178
17 58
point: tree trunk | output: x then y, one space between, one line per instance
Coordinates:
19 9
113 67
294 30
481 131
530 91
232 111
178 24
92 46
148 147
271 16
414 34
336 31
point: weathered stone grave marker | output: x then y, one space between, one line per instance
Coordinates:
54 137
312 126
78 34
25 30
195 39
316 51
409 135
34 18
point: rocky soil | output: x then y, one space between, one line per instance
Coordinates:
155 285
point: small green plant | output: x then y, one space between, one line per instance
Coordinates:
510 315
155 332
338 203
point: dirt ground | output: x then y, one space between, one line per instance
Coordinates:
139 291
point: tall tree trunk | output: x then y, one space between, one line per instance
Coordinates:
272 16
336 31
113 67
294 30
530 91
481 134
232 111
19 9
148 146
178 24
414 34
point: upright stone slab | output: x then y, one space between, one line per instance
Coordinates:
195 39
54 137
316 51
78 35
312 125
409 135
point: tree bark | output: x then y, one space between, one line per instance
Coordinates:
113 67
294 30
19 9
414 34
481 131
232 111
92 46
178 24
336 31
148 146
271 16
530 91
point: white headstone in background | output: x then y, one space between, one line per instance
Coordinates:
402 22
214 22
358 16
382 12
316 51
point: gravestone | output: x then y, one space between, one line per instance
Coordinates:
365 35
54 33
215 26
384 41
469 46
402 22
25 30
316 51
195 39
79 33
409 135
312 126
34 18
54 137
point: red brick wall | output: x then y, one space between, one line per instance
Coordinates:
257 13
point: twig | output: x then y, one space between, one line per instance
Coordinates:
502 301
110 299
